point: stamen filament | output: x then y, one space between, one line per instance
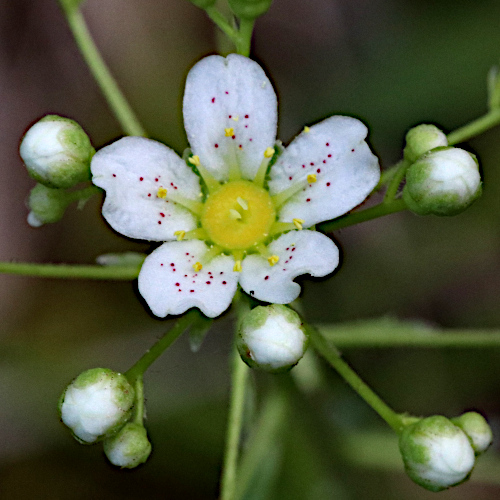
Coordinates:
281 227
194 206
210 181
261 173
280 198
196 234
262 250
214 251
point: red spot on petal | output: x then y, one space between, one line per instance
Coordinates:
324 161
246 126
227 92
319 170
187 253
172 264
213 99
290 178
224 283
308 199
185 276
161 264
173 269
177 284
233 137
293 249
159 222
266 278
246 116
221 272
180 290
312 164
327 144
250 139
192 291
230 116
156 180
149 195
327 183
114 175
162 214
329 156
352 150
141 178
208 282
216 145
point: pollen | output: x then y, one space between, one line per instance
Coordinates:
311 178
197 267
268 153
306 130
298 223
274 259
180 235
162 193
237 266
229 132
195 160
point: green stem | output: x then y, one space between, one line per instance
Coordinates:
396 180
221 22
244 40
330 353
116 100
235 419
128 272
387 175
476 127
139 401
160 347
380 210
84 194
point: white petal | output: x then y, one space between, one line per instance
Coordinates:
170 285
131 171
224 93
299 252
346 170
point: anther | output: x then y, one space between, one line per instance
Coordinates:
268 153
229 132
236 118
242 203
306 130
298 223
237 266
274 259
197 267
311 178
180 235
194 160
162 193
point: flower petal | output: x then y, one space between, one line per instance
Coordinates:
223 94
345 170
170 285
299 252
132 170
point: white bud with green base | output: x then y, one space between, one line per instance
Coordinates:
421 139
477 429
47 205
272 338
129 447
96 404
437 454
442 182
57 152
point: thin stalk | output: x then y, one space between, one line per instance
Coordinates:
221 22
476 127
161 346
244 40
397 178
116 100
330 353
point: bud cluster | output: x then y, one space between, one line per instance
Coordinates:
98 406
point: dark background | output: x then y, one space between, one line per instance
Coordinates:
393 64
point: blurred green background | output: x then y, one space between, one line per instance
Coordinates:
393 64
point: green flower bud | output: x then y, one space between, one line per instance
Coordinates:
203 4
437 454
129 447
96 404
421 139
47 205
272 338
477 430
249 9
57 152
442 182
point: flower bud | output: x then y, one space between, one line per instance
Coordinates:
57 152
442 182
477 430
203 4
249 9
437 454
96 404
47 205
421 139
129 447
272 338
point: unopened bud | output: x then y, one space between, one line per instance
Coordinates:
57 152
477 430
96 404
272 338
46 205
442 182
421 139
129 447
203 4
437 454
249 9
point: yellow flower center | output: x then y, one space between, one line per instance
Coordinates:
238 216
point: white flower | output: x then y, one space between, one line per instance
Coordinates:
97 403
272 338
437 454
235 222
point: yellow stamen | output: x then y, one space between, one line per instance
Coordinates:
306 130
242 203
311 178
298 223
180 235
162 193
195 160
197 267
274 259
229 132
237 266
234 214
268 153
